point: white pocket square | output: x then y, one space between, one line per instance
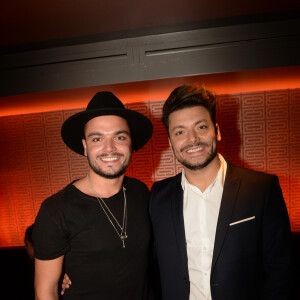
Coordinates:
241 221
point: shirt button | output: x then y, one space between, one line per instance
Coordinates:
204 248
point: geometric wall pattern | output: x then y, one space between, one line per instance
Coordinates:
259 130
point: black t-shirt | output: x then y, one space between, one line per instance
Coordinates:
73 224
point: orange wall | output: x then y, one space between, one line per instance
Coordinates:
224 83
259 115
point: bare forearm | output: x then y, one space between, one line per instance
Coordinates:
47 274
46 294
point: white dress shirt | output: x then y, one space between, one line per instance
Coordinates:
200 212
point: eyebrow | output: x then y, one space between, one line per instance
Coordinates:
122 132
181 126
97 133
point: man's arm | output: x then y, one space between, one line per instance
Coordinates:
277 246
47 275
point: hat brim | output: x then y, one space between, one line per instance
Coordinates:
72 131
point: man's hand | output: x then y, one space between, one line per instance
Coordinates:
65 283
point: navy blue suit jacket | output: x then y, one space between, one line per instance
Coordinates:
251 260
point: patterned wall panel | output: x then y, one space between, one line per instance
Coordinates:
229 118
294 157
259 130
142 164
16 178
164 160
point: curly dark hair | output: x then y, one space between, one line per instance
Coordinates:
188 96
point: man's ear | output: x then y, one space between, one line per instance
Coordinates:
84 146
218 133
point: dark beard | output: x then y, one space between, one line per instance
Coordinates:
199 166
117 174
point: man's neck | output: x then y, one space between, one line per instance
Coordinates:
95 185
202 178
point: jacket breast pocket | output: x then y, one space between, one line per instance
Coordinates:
241 223
242 240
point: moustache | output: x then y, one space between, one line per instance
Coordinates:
110 154
193 145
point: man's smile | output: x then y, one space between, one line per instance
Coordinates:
195 150
109 158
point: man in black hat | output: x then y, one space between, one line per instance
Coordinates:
97 226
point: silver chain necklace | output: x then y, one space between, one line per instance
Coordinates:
122 235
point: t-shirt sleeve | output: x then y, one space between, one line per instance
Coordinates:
50 238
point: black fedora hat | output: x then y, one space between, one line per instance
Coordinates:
103 104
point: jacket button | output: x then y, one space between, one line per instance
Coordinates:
185 281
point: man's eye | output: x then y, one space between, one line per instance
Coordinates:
121 138
97 139
203 127
179 132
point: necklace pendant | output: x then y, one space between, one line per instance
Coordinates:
123 243
123 236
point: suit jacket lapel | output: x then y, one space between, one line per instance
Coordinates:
177 215
230 192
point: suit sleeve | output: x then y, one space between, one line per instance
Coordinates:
277 246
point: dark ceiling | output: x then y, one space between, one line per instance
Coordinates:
34 23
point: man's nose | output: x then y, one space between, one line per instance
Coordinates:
110 145
193 137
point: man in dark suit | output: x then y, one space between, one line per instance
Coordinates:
221 232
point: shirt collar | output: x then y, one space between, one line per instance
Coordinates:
220 178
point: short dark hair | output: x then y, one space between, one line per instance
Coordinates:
28 234
188 96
